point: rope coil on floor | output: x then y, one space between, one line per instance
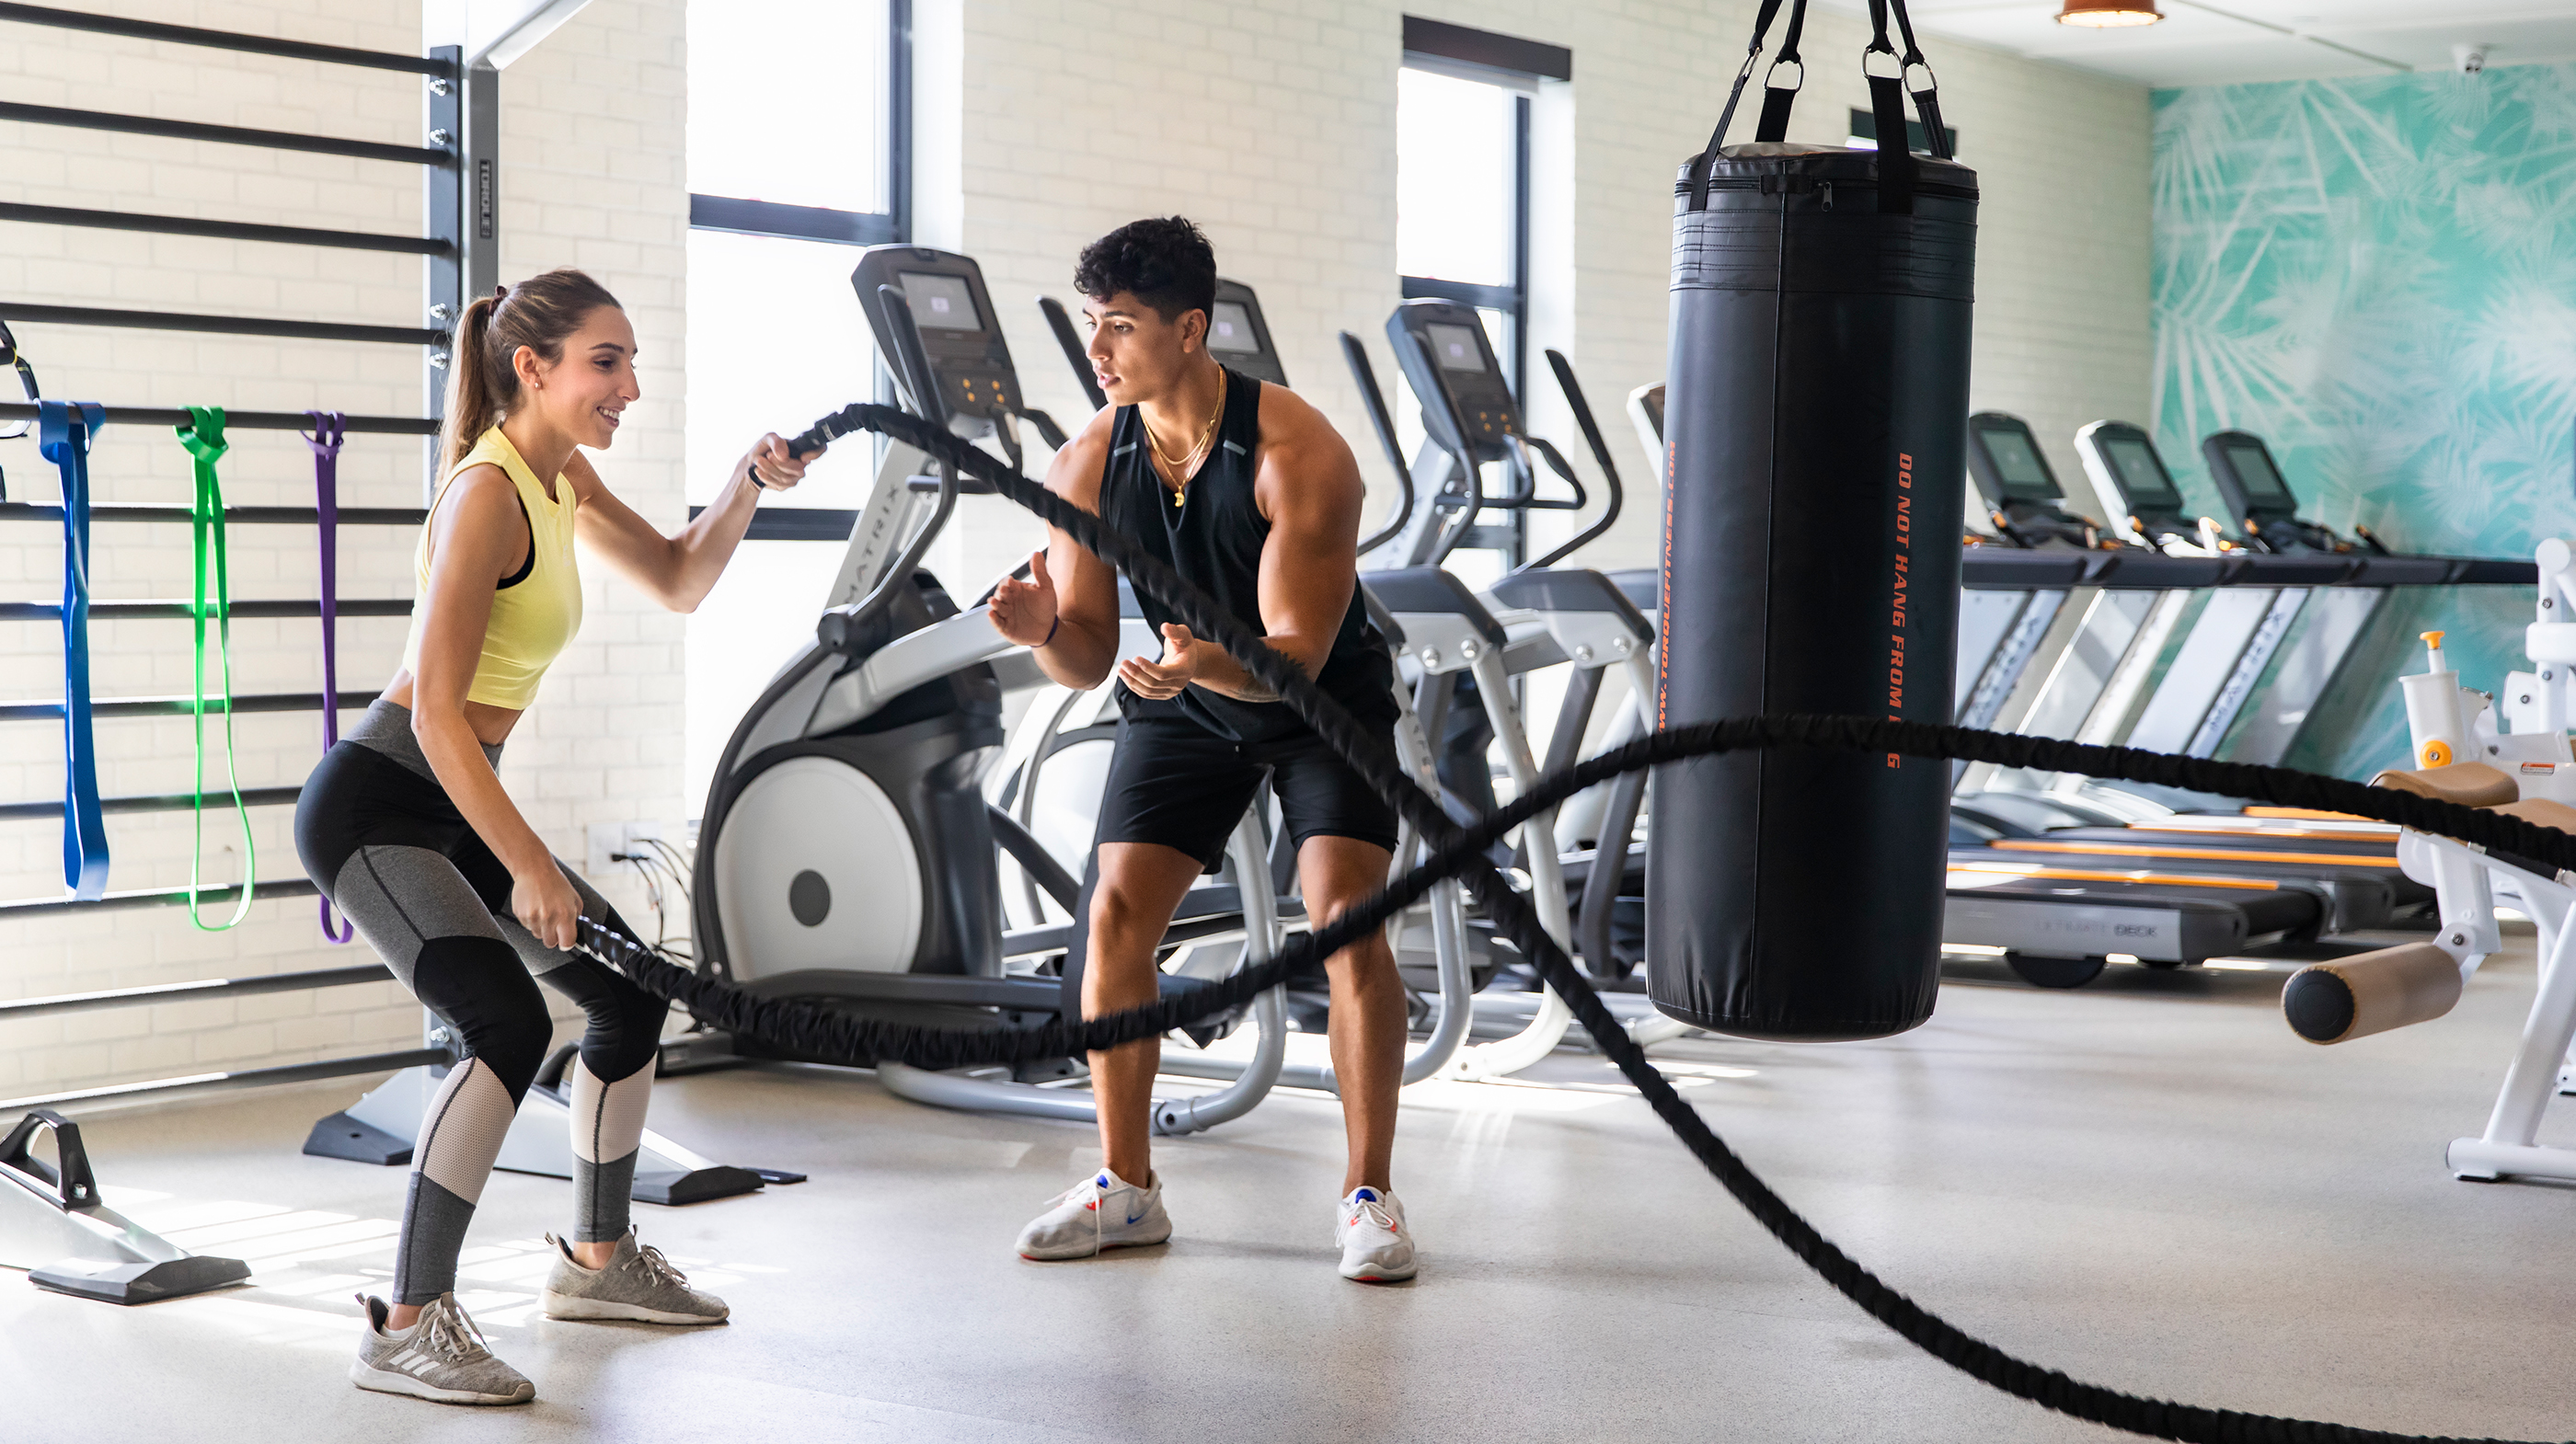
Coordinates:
1459 852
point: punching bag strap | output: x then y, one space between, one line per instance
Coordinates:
1887 114
1777 99
64 431
1705 160
1927 101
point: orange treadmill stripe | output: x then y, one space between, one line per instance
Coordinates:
2266 834
2086 874
2309 813
2244 856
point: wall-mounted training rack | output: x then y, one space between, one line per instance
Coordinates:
458 157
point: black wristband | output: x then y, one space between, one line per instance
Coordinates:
751 473
1050 636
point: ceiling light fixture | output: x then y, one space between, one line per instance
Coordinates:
2108 14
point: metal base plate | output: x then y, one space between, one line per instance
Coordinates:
358 1141
139 1283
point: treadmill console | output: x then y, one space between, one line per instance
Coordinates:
1239 337
2134 486
1442 347
2247 480
2014 480
2259 499
941 339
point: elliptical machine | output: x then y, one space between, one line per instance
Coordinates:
1465 649
848 853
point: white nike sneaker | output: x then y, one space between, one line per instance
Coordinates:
1100 1213
1376 1246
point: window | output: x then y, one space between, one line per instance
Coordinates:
799 113
1462 210
1864 134
1462 175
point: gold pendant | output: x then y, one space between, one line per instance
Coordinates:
1176 498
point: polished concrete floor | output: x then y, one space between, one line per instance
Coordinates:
2149 1184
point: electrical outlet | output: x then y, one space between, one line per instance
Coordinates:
608 838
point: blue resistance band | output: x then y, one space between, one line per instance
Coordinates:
64 430
204 438
330 429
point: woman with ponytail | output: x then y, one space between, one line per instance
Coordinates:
406 828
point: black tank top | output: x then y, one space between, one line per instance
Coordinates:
1214 538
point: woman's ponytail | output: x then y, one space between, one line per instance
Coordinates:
471 408
540 313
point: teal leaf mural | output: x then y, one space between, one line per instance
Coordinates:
2378 276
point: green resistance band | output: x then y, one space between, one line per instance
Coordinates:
204 438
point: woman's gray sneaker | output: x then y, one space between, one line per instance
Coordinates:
440 1358
637 1284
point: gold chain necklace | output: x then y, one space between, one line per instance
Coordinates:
1181 466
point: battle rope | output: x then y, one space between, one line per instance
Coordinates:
1459 853
64 431
212 595
330 430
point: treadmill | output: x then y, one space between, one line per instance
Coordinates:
2059 629
2218 663
2259 659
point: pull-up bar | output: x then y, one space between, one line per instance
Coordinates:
225 230
237 421
224 134
226 40
221 325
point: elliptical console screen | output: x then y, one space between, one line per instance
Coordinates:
2264 489
2142 476
1230 330
2017 464
1457 347
940 303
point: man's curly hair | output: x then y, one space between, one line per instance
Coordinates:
1163 261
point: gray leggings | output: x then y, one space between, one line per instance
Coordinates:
383 841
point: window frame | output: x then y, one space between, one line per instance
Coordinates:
1864 126
820 223
1517 66
1511 298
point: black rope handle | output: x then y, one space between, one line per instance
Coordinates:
1459 853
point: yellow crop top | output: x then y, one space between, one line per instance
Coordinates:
534 615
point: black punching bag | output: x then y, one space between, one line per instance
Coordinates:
1815 428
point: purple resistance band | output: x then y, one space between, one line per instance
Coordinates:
330 428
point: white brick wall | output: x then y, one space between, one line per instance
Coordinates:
592 177
1273 125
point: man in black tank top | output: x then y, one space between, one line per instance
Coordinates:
1249 492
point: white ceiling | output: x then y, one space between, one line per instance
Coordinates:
2244 40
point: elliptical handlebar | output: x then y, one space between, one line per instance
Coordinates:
1529 499
912 362
1384 424
1516 448
1048 432
839 628
1060 322
1591 429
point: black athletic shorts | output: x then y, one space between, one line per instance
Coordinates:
1176 783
